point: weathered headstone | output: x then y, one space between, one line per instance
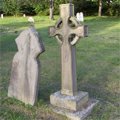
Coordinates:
25 67
80 17
1 16
31 19
68 31
24 15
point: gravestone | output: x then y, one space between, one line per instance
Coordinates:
25 67
24 15
68 31
80 17
31 19
1 16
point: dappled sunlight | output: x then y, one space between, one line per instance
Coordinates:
114 86
111 29
117 26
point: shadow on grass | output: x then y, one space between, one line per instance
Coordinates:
101 25
14 24
96 25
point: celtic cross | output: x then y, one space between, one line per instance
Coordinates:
68 31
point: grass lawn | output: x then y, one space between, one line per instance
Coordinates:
98 68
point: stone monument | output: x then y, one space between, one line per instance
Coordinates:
24 15
31 19
80 17
1 16
76 105
25 67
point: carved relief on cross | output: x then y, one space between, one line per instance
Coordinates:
68 31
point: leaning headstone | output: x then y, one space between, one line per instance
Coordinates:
1 16
25 67
80 17
70 102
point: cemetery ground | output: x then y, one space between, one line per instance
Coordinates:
98 68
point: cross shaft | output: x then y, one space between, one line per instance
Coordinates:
62 31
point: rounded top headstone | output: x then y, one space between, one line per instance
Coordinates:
2 16
80 17
31 19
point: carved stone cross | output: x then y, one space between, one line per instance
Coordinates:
68 31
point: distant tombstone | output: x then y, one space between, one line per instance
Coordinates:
2 16
25 67
30 19
24 15
80 17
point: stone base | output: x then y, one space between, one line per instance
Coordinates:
69 102
78 115
74 107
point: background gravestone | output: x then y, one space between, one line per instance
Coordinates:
25 67
1 16
80 17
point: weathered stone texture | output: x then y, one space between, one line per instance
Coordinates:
64 32
25 67
69 102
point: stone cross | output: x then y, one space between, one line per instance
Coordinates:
68 31
25 67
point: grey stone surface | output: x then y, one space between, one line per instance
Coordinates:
25 67
80 17
69 102
77 115
64 33
2 16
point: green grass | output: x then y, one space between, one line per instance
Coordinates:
98 68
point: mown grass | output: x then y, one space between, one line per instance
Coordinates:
98 68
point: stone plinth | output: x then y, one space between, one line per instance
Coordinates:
77 115
69 102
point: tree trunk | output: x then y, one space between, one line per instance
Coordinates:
51 14
51 10
100 8
109 11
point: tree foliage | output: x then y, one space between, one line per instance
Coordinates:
1 6
41 7
11 7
